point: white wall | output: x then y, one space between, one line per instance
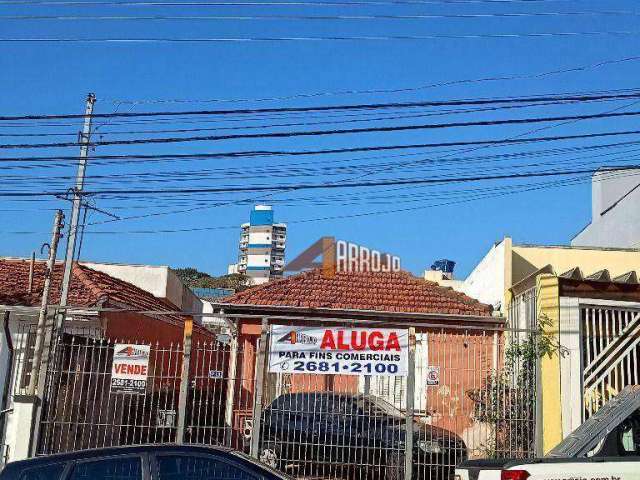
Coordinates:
149 278
160 281
620 226
486 282
260 238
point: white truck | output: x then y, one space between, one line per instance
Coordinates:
605 447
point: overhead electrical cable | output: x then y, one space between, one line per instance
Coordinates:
310 3
317 186
498 78
270 153
172 179
294 124
433 16
309 220
313 133
335 38
345 166
621 95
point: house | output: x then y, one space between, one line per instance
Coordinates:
103 310
584 301
592 319
456 334
507 263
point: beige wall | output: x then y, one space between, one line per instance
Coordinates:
160 281
528 259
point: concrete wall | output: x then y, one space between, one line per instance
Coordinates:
487 282
620 226
149 278
160 281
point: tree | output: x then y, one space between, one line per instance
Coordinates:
193 278
507 401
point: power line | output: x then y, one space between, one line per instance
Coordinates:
357 119
580 68
365 38
546 185
594 13
336 217
397 128
576 97
342 167
320 186
272 4
269 153
337 184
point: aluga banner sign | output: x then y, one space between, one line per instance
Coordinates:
130 368
344 351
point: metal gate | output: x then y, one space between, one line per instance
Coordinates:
323 426
610 353
81 411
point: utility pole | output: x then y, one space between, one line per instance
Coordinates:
85 137
42 315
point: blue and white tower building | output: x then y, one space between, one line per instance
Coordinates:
262 245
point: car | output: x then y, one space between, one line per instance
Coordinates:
606 447
326 434
145 462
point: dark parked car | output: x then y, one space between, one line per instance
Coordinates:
147 462
355 435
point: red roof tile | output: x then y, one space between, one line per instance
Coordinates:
89 288
380 291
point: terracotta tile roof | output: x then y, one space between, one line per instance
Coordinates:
385 292
88 288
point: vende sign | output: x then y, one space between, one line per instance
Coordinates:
345 351
130 368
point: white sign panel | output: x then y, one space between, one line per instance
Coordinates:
130 368
433 376
334 350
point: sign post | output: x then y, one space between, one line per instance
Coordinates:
184 379
256 431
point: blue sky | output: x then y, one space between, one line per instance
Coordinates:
55 77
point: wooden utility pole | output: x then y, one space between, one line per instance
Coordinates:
85 137
44 304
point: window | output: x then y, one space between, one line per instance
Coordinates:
27 359
335 404
115 468
630 436
45 472
184 467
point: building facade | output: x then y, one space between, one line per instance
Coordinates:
103 310
583 303
455 334
262 246
615 220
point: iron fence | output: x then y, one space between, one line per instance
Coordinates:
479 404
81 411
466 396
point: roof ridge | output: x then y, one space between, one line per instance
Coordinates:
382 291
81 275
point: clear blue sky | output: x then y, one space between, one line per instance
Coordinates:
54 78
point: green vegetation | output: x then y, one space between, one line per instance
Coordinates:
507 401
193 278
